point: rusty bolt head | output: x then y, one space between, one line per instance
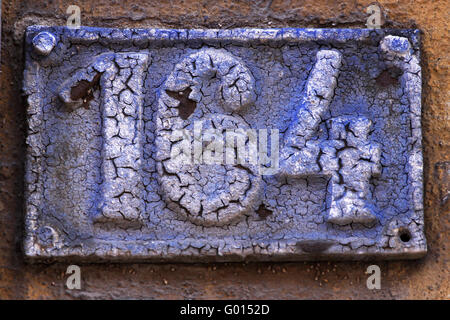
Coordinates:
43 43
395 46
46 236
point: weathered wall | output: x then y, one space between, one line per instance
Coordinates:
426 278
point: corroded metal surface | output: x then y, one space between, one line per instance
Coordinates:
329 119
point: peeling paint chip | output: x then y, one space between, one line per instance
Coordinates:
223 145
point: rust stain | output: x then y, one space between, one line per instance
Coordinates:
85 90
186 106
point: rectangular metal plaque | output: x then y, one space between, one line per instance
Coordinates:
223 145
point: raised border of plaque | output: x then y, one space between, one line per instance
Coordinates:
329 122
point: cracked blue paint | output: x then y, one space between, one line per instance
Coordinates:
101 185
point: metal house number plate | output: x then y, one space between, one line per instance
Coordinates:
223 145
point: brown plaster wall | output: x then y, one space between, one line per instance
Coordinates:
427 278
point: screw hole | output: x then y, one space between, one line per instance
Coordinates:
405 235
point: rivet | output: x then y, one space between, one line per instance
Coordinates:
43 43
46 236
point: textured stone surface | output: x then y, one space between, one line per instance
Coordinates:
107 177
425 278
